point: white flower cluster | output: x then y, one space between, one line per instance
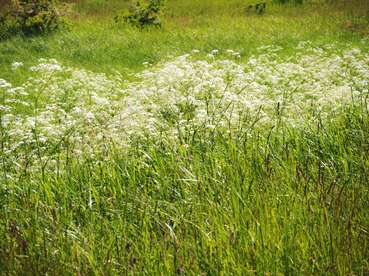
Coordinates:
16 65
66 107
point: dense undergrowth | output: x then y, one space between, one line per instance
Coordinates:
274 200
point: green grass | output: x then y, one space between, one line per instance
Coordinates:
95 42
278 200
255 199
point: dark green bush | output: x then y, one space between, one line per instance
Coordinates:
29 17
259 8
143 14
289 1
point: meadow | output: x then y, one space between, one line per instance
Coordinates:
222 143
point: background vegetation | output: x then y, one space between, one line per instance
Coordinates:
96 42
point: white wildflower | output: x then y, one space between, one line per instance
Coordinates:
15 65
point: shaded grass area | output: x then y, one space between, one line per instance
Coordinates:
279 200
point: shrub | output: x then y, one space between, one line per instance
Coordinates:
29 17
143 14
259 8
289 1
